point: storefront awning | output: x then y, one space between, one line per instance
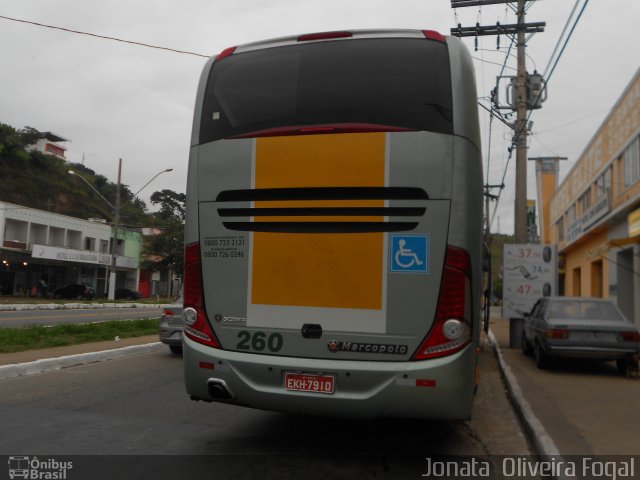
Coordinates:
621 242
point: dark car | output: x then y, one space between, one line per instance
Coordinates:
75 291
127 294
581 328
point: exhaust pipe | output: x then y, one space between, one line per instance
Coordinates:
218 389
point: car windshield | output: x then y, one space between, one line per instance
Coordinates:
584 310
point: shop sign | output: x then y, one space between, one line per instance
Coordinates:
633 220
70 255
596 212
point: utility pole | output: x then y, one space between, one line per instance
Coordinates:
520 215
520 127
116 227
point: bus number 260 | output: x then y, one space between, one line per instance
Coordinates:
259 341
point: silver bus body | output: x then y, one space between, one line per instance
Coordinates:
333 260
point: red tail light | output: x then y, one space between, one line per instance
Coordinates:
557 333
323 36
168 311
630 337
200 330
433 35
451 331
322 129
227 52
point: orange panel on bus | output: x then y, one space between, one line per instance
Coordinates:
319 270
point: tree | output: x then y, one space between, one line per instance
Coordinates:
172 204
30 135
165 251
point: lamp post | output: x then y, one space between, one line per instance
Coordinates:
116 221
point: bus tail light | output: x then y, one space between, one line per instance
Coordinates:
433 35
451 331
227 52
197 326
324 36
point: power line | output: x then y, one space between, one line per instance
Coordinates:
567 40
104 37
488 61
555 49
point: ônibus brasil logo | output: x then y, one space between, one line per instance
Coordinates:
36 469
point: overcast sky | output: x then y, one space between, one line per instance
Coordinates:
115 100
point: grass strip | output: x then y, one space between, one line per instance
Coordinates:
36 337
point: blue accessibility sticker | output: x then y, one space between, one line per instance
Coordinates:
409 253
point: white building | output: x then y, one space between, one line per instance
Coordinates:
60 250
50 145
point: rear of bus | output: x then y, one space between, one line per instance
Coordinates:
333 235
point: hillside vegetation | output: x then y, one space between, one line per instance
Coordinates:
33 179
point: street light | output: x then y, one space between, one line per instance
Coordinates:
116 220
71 172
152 179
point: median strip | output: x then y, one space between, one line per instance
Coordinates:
38 337
52 364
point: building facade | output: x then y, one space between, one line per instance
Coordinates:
594 214
50 144
44 248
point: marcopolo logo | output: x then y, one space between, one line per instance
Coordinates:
335 346
38 469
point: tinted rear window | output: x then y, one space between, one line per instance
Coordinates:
391 82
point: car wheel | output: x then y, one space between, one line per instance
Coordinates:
526 346
622 364
542 359
175 349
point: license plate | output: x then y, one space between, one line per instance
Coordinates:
593 336
306 382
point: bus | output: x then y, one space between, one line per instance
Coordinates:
333 239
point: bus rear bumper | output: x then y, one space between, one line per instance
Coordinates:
431 389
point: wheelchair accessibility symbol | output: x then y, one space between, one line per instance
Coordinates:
410 253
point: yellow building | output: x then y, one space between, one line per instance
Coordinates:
594 214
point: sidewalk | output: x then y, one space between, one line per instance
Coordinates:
587 408
55 352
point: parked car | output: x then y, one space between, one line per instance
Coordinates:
126 294
171 327
582 328
75 291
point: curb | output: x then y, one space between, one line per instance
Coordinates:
542 442
75 306
52 364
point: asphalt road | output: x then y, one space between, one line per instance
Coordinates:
138 406
55 317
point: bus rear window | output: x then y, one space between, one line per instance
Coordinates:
398 82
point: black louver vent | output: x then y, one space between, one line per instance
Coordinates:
351 225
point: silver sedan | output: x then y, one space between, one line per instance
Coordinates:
580 327
171 327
